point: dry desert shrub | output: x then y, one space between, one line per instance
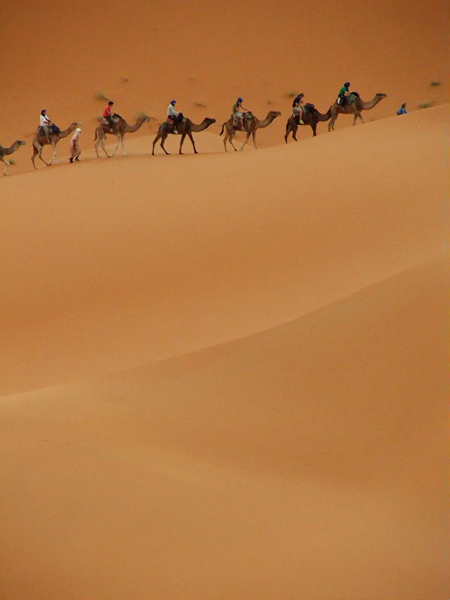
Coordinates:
101 96
426 104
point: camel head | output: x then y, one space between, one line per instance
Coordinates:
381 96
209 121
20 143
273 114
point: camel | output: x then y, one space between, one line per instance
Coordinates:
250 126
119 129
185 128
310 117
354 108
7 151
41 140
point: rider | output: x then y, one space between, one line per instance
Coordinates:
402 110
108 116
344 92
238 113
297 108
173 115
47 126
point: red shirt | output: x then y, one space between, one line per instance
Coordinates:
107 111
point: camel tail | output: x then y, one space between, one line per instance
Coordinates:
223 127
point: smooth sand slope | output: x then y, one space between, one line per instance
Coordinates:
224 375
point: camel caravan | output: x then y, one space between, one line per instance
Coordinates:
241 120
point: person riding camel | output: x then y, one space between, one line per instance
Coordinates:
47 126
344 93
297 108
173 116
108 116
237 114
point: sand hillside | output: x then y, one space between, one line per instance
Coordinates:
224 376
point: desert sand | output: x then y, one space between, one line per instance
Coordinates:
224 375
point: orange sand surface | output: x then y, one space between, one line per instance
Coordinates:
225 376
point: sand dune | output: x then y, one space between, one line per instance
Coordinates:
121 269
241 470
224 375
297 443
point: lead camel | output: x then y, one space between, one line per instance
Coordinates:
354 108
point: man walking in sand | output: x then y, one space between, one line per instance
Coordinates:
75 150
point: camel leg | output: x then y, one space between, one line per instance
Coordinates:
254 139
124 152
102 140
246 140
231 136
225 138
39 153
154 143
35 151
193 143
117 145
7 163
103 146
54 154
183 135
40 156
314 128
163 139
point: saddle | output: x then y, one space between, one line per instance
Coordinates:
241 124
169 125
52 129
115 119
350 99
